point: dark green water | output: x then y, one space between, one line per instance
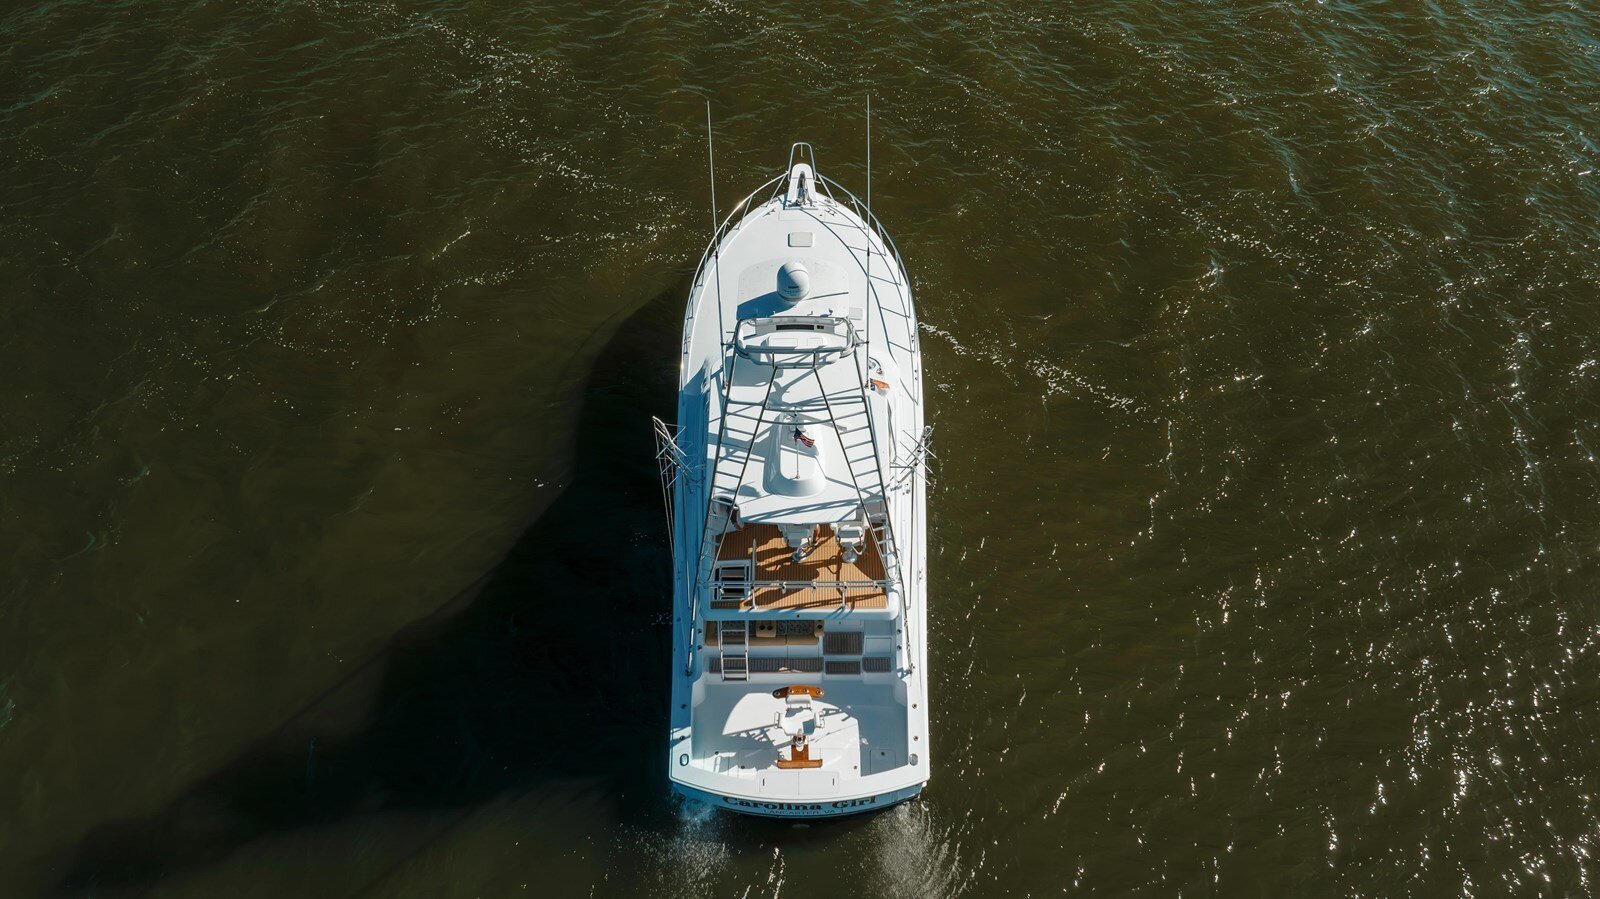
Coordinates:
1260 345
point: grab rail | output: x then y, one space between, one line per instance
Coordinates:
740 209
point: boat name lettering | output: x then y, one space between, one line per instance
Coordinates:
799 806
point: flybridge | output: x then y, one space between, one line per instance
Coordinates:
796 490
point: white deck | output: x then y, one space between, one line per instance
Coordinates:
859 730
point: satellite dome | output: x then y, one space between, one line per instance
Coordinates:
794 282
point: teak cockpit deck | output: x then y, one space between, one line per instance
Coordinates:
822 579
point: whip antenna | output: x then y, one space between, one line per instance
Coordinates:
711 164
867 231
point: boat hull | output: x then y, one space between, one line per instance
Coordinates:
848 361
810 809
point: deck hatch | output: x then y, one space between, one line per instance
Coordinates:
797 628
764 665
842 643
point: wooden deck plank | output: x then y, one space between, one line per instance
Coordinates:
774 561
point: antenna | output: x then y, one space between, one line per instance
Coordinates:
711 163
866 231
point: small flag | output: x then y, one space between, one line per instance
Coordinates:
800 437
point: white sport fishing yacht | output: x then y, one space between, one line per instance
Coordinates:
795 487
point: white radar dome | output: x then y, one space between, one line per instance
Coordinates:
794 282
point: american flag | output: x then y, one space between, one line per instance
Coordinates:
800 437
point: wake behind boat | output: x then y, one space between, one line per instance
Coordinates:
796 492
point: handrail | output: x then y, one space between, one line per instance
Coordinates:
761 416
693 586
810 157
800 585
740 209
793 356
865 213
691 578
888 525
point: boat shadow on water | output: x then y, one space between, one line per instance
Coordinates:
551 668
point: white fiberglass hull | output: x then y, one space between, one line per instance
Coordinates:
796 488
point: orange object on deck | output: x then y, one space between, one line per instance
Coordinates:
797 690
799 756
